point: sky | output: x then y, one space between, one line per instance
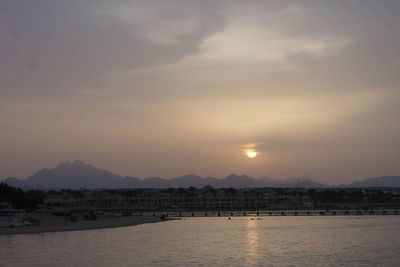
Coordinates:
171 87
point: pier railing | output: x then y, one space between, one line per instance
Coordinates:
213 213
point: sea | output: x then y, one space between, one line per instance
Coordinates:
217 241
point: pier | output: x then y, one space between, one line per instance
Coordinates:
268 213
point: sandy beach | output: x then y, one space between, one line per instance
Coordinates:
102 222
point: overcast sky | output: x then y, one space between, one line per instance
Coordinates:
166 88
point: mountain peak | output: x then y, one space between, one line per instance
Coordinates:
75 174
76 162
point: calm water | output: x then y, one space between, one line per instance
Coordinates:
273 241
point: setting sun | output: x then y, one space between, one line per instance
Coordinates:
251 154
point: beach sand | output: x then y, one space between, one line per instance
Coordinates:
102 222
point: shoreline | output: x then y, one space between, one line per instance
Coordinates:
51 223
101 223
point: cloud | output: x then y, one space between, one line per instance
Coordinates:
53 47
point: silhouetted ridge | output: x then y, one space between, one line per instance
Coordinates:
384 181
78 174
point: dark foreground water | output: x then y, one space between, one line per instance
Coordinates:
272 241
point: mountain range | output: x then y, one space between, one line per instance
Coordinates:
79 175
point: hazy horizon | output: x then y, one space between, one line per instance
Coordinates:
293 179
172 87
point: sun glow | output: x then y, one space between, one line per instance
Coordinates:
251 154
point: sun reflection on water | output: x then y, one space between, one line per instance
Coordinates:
253 242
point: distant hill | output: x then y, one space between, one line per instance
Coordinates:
12 181
384 181
79 175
